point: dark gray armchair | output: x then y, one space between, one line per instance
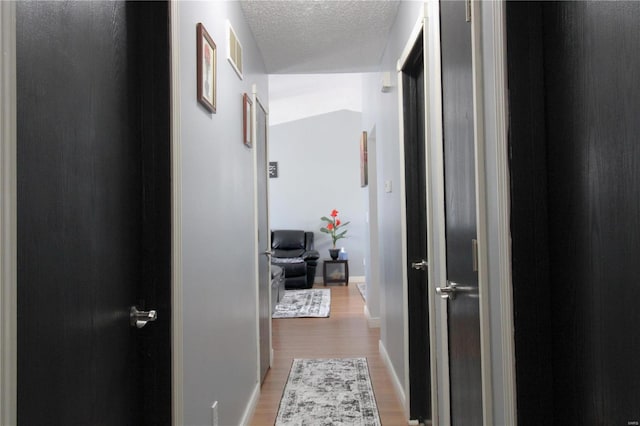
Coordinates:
293 250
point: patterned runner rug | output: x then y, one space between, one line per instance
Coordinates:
314 303
328 392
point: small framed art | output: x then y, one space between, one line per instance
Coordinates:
364 161
246 120
206 63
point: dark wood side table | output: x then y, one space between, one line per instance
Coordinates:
335 271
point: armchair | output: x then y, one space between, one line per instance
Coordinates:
294 251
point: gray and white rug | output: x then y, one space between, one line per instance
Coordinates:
362 288
313 303
335 392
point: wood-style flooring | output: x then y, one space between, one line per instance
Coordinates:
344 334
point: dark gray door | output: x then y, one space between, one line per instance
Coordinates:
264 234
574 86
415 187
460 206
93 212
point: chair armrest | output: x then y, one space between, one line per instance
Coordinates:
311 255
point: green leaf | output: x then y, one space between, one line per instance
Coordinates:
325 230
341 235
326 219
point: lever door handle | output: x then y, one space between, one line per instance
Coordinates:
267 253
423 265
140 318
448 292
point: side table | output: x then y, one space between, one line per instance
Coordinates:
335 271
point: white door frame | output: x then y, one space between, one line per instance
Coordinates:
490 75
177 325
423 27
257 102
8 230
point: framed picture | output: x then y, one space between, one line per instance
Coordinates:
206 63
246 120
364 161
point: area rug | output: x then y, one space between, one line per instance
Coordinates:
328 392
362 288
313 303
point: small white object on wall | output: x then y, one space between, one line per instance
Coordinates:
386 82
387 186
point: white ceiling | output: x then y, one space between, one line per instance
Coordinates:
320 36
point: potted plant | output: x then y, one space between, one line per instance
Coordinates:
334 227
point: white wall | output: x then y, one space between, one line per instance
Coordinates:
315 128
319 170
296 96
381 110
219 288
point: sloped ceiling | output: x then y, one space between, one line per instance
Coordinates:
319 36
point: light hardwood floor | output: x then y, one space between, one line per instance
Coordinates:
344 334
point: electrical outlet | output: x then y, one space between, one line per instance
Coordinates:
214 414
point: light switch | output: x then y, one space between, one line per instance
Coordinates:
387 186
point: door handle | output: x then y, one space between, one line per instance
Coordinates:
423 265
267 253
140 318
449 291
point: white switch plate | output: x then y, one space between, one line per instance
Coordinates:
387 186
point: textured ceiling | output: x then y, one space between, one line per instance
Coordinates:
319 36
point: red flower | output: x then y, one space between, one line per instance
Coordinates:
337 222
334 213
207 55
330 226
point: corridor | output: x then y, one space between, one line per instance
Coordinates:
344 334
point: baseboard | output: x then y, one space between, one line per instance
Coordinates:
352 279
397 385
251 406
373 322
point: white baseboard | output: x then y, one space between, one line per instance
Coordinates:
374 322
251 406
397 385
352 279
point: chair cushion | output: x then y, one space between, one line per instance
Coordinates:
287 240
293 266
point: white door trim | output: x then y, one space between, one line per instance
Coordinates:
498 61
257 102
421 27
481 213
8 230
177 325
436 206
